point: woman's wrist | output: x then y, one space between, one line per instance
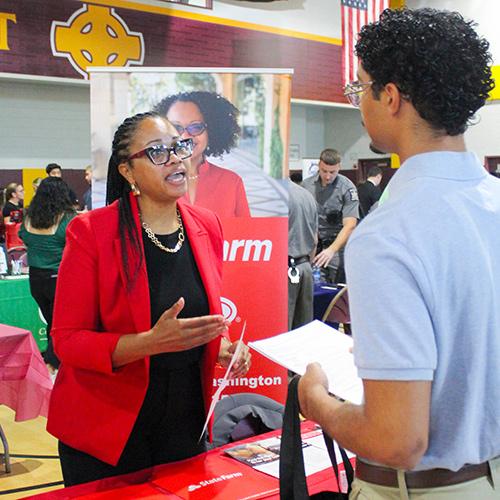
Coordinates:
225 344
146 343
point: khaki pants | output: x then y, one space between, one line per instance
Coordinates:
484 488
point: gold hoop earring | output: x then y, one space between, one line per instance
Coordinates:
135 190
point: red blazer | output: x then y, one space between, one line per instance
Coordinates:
93 407
220 190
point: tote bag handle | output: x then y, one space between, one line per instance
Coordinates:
293 485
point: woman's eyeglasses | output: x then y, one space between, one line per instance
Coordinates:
192 129
159 154
354 90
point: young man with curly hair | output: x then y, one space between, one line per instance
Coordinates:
423 273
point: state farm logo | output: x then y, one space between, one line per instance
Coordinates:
96 36
248 250
208 482
229 309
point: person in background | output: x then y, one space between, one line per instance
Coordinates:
87 196
13 209
302 240
369 191
423 272
55 170
210 121
44 235
36 182
338 212
137 319
296 177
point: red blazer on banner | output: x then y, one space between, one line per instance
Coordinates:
94 307
221 190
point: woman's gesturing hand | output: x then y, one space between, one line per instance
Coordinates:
171 334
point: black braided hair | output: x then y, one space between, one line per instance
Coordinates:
117 188
220 115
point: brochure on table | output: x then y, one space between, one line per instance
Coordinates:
264 455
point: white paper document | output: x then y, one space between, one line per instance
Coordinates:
316 342
224 383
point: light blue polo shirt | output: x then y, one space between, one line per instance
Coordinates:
423 272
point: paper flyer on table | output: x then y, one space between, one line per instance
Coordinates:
316 342
224 382
264 455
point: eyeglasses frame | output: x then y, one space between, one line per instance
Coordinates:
169 150
352 94
185 129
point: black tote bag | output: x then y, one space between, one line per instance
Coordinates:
293 485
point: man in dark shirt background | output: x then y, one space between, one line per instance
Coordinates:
55 170
369 191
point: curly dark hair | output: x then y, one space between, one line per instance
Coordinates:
220 115
52 199
436 59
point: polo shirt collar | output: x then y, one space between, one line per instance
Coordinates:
439 165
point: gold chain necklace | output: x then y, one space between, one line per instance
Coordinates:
158 243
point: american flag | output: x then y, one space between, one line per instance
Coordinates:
355 14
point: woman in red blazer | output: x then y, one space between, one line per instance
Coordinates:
210 121
137 323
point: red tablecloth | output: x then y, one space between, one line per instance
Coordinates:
210 476
25 383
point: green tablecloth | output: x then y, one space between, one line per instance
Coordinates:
18 308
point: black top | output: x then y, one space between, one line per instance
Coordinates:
15 212
368 195
172 414
171 276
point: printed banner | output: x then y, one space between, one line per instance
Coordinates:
254 289
239 124
240 157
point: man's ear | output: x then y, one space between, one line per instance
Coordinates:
124 169
393 97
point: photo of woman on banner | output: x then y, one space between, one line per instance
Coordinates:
137 320
211 122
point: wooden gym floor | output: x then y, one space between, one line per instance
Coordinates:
31 448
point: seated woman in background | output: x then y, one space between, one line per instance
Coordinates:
44 235
137 319
210 121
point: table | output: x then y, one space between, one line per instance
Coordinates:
210 476
323 295
25 383
18 308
